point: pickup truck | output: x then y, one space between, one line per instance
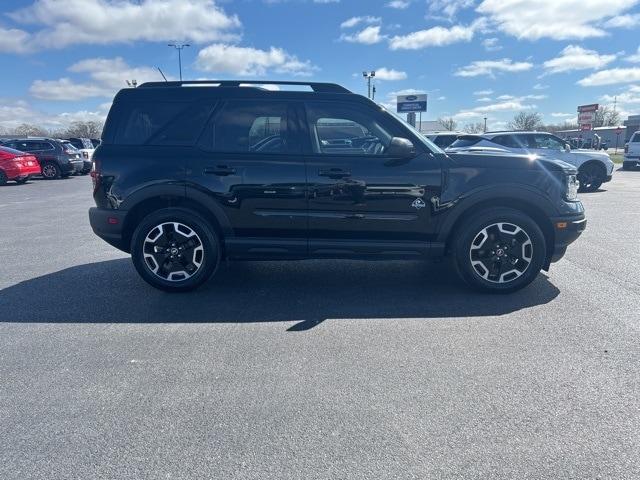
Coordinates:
632 152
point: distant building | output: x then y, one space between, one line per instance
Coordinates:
607 135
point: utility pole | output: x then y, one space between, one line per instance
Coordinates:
485 124
179 47
369 76
373 93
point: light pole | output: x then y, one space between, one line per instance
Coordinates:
179 47
485 124
369 76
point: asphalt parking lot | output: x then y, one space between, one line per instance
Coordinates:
317 369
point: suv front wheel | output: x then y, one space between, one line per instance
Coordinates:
175 249
499 250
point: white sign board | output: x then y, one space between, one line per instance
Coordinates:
586 117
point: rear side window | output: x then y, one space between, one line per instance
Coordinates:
76 142
509 141
253 126
443 141
635 138
139 122
466 141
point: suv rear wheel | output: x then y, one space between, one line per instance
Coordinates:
499 250
591 178
51 171
175 249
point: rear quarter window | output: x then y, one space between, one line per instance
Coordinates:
465 141
139 122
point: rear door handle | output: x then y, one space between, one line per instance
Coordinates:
220 170
334 173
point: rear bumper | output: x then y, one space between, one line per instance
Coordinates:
566 231
77 165
108 225
22 172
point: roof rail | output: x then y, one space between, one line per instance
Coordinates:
315 86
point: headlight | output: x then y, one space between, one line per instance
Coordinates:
573 184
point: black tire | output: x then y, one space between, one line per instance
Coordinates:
51 171
205 239
591 178
3 178
531 247
22 181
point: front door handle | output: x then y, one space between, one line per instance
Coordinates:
334 173
220 170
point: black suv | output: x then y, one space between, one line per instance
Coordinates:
56 159
185 177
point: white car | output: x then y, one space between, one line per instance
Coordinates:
632 152
594 168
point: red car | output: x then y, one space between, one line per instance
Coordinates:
17 166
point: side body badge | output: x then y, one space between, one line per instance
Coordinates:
418 203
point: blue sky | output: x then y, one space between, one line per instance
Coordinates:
64 59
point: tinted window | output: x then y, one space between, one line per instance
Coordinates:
140 121
185 128
510 141
340 129
95 142
465 141
443 141
548 142
76 142
635 137
254 126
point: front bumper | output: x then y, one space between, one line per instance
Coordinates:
109 226
86 166
566 231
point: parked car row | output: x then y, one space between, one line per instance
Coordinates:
22 158
594 167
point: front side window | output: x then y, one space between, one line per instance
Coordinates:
346 130
261 127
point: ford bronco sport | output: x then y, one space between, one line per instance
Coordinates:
191 173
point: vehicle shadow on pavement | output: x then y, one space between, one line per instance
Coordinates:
307 292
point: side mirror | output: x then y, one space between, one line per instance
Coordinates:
567 147
401 147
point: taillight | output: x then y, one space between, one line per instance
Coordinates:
626 148
95 174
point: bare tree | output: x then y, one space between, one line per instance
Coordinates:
606 117
448 123
29 130
477 127
526 121
88 129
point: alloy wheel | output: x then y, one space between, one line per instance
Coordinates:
173 251
501 252
49 171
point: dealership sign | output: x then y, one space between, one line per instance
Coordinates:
412 103
587 116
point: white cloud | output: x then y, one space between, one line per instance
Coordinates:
390 74
556 19
13 40
60 23
367 36
635 58
611 77
623 21
16 112
483 92
399 4
491 44
434 37
222 58
484 99
630 96
489 67
540 86
574 57
562 115
354 21
479 112
448 8
107 75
